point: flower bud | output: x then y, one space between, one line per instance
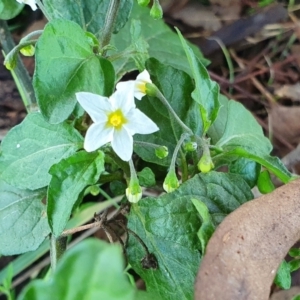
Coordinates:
143 2
205 163
171 182
161 152
264 182
156 11
10 62
151 89
134 192
28 50
190 146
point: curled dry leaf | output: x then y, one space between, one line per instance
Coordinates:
246 249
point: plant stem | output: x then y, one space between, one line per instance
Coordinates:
43 9
161 97
110 20
58 247
20 73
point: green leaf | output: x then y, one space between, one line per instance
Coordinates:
177 87
283 276
23 219
206 92
79 218
168 225
294 252
146 177
163 43
246 168
31 148
9 9
207 227
91 270
69 177
294 265
66 64
90 15
238 134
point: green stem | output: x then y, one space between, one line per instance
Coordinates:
177 148
161 97
133 176
25 86
109 23
58 247
30 35
43 9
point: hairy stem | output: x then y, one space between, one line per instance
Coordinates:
20 73
58 247
110 20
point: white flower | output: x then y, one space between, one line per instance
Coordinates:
29 2
137 87
116 120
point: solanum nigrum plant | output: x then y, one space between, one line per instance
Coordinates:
89 131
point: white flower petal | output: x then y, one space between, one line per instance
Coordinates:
122 144
144 77
125 86
138 122
94 105
122 100
29 2
96 136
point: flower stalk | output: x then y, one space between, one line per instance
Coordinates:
134 191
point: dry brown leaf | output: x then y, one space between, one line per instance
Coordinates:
285 122
291 91
246 249
286 295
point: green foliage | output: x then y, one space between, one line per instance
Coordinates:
96 273
164 44
146 177
64 46
31 148
69 177
175 86
9 9
237 134
23 219
206 91
264 182
246 168
90 15
168 225
207 227
283 276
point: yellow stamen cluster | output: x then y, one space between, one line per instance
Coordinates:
116 119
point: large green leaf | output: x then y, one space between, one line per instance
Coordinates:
168 225
23 219
206 92
66 64
31 148
238 134
177 87
90 15
163 43
69 177
91 270
9 9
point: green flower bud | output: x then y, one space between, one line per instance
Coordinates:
156 11
134 192
171 182
143 2
264 182
205 163
10 62
94 190
151 89
161 152
28 50
190 146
